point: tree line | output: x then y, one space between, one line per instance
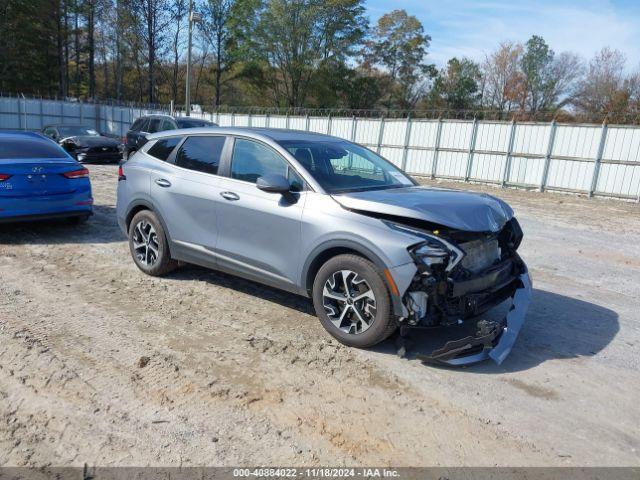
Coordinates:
291 53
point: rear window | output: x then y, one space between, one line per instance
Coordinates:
193 123
163 147
17 147
137 124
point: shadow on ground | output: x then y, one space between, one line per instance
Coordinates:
557 326
285 299
100 228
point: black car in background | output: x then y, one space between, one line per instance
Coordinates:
85 144
143 126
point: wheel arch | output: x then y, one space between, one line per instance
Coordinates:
330 249
140 205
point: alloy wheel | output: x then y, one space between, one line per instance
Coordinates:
349 302
145 243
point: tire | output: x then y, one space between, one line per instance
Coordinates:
153 258
374 321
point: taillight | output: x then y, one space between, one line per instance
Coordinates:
121 175
4 177
82 173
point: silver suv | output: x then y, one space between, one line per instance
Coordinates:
328 219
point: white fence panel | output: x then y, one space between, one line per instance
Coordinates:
456 134
419 162
595 159
531 139
278 121
368 131
493 137
259 121
423 134
341 127
394 132
319 124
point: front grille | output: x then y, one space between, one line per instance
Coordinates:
480 254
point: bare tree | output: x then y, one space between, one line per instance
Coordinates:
502 78
603 82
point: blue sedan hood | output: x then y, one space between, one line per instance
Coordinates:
460 210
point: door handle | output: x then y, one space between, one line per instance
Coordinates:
163 183
230 196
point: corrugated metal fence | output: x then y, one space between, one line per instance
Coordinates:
592 159
18 113
579 158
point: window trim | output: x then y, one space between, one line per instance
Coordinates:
227 173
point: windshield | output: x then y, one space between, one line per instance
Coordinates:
340 166
76 131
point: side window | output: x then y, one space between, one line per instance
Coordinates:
252 160
154 125
201 154
163 147
295 180
166 125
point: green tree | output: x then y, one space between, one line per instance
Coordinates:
548 79
457 86
536 64
226 24
398 46
295 37
29 61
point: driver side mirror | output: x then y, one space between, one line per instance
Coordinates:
273 183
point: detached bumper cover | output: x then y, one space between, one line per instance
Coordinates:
492 341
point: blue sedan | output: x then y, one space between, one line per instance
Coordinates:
39 180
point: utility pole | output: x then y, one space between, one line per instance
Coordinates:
187 97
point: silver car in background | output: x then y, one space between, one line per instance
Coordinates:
328 219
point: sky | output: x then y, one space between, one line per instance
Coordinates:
475 28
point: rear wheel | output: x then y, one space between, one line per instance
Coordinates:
148 244
352 301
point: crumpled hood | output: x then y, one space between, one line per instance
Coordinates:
92 141
460 210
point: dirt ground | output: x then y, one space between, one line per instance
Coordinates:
100 364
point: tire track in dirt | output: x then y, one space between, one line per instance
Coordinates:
278 362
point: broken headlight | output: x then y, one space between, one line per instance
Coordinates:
435 254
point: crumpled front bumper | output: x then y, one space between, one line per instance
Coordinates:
495 344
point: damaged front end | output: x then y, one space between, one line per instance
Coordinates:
460 275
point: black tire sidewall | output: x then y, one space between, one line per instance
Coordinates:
382 324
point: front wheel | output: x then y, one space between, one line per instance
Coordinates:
352 301
149 246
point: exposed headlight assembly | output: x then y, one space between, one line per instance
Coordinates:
434 253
